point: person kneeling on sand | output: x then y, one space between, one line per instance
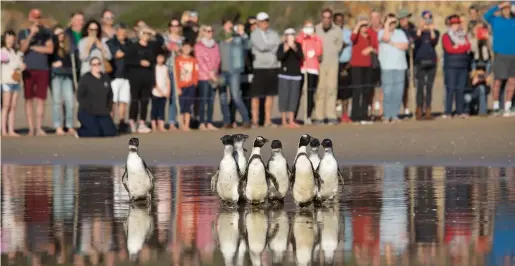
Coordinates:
95 98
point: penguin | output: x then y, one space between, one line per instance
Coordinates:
137 179
256 234
304 236
227 234
279 232
278 167
239 151
256 180
329 231
304 179
314 157
329 172
138 228
226 180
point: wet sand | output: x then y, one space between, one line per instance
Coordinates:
474 141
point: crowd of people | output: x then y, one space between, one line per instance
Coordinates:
111 68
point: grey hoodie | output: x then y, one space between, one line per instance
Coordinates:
264 48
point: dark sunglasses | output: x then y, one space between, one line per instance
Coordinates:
95 64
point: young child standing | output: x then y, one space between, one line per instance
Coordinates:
159 94
187 80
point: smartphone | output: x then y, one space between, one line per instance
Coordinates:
429 21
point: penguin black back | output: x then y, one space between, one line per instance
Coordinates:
260 142
314 143
276 144
227 140
304 140
327 143
133 144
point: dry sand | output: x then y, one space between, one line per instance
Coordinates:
474 141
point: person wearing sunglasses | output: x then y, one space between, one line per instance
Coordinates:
95 98
91 46
108 30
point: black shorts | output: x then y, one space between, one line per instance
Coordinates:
376 77
264 83
504 66
344 82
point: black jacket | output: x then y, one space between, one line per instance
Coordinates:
136 52
291 60
118 63
95 95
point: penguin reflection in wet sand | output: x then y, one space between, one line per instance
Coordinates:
256 180
305 236
314 157
138 180
226 180
256 234
329 231
278 167
278 232
138 228
227 234
329 172
239 151
304 179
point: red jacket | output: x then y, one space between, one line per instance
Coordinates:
359 43
449 47
310 43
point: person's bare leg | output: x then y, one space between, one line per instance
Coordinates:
6 100
283 119
187 117
269 101
122 110
161 125
40 113
29 115
380 100
496 89
113 111
12 113
291 118
154 125
510 89
255 110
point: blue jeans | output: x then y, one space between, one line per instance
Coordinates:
455 83
233 80
207 96
392 81
476 96
62 90
95 125
172 111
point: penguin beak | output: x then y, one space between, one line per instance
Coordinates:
266 140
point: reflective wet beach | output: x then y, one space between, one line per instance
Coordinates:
387 215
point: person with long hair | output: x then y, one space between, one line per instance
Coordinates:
208 57
62 84
91 45
12 62
173 40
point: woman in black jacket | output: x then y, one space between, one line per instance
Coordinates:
290 55
95 98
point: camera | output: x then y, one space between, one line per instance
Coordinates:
429 21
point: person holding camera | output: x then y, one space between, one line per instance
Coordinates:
425 59
475 96
503 27
393 44
91 46
37 45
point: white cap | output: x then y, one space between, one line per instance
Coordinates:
262 16
289 31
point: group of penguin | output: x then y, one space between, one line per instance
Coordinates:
311 179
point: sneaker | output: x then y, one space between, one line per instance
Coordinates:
346 119
406 111
507 113
308 121
317 122
332 122
143 129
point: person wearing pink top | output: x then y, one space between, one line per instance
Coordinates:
312 48
208 57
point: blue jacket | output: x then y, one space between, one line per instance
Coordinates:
503 30
425 46
232 54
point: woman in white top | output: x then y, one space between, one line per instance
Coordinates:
11 62
91 46
159 94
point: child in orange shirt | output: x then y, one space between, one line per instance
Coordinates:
187 80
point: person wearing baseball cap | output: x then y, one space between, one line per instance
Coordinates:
37 45
265 42
503 46
410 30
456 48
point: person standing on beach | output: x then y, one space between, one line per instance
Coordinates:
186 71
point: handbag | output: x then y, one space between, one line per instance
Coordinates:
16 76
373 56
107 67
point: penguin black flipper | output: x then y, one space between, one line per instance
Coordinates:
150 175
288 169
124 180
340 176
271 177
318 179
214 180
243 178
292 176
244 150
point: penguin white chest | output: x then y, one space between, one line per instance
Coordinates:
139 223
315 160
228 233
279 169
304 189
138 182
228 179
328 171
257 188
